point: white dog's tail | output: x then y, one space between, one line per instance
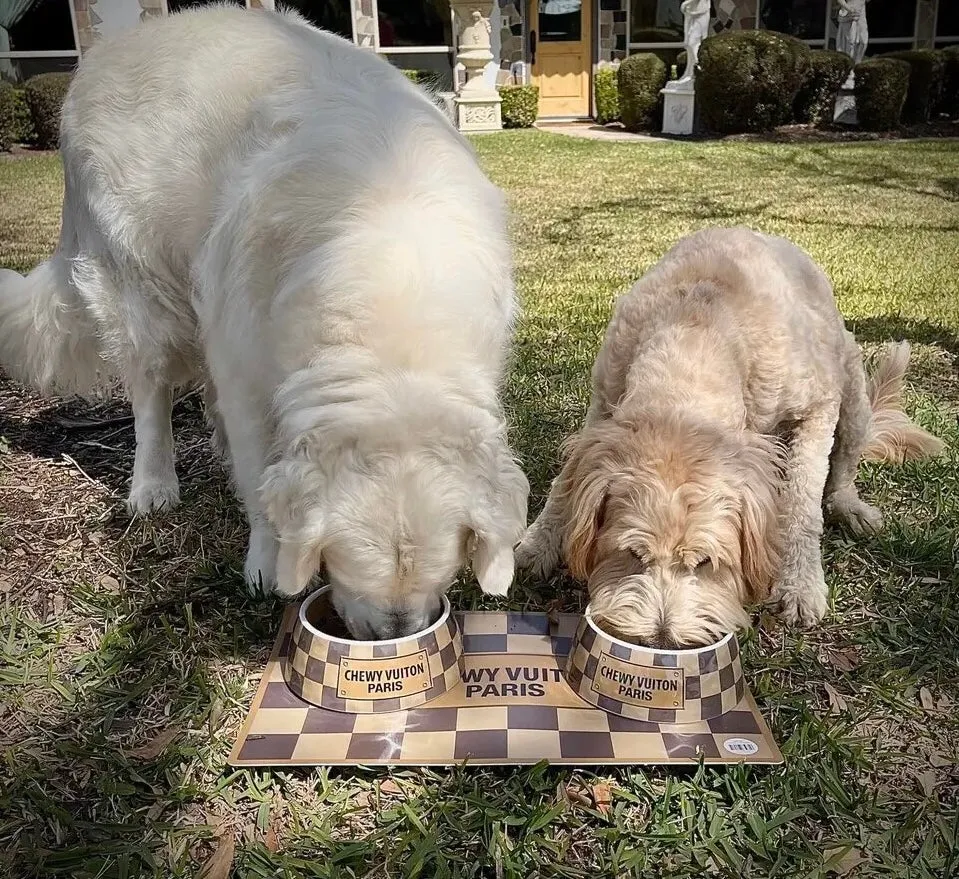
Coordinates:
892 436
47 339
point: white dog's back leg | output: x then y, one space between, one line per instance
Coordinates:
154 486
842 501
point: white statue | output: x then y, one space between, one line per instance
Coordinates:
478 33
695 30
852 37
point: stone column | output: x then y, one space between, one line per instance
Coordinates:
477 103
852 38
926 23
679 95
365 24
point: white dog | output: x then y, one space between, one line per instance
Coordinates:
678 502
260 206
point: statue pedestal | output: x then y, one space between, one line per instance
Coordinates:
478 112
845 111
679 107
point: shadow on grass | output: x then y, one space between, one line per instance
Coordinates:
98 436
891 327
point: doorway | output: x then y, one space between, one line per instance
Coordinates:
560 42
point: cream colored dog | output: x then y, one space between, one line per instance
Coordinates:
729 405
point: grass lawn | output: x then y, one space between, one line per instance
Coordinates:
128 654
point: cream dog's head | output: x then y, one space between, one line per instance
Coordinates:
673 523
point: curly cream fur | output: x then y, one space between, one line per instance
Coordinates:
728 405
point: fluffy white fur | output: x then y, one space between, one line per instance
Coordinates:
262 207
729 404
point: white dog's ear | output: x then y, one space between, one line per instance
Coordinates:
498 517
290 490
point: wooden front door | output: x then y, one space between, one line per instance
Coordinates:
560 56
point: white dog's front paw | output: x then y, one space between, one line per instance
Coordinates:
152 497
848 509
801 600
259 571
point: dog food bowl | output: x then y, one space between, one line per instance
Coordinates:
370 677
660 686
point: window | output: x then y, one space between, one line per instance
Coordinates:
891 19
408 23
177 5
803 19
655 21
331 15
560 21
36 36
947 23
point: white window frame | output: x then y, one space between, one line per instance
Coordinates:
73 53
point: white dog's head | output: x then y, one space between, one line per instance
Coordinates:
395 510
673 524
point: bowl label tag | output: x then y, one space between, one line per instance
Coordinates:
644 685
384 678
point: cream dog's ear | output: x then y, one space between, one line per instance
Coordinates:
760 462
290 490
584 485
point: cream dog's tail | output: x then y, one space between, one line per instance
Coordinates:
892 436
47 339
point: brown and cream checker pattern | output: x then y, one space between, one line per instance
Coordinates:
282 729
712 680
313 667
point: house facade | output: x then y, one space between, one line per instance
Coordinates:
556 44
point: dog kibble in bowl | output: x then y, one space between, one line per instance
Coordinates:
325 666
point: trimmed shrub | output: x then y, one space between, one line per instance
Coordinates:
925 83
816 101
45 94
520 105
949 93
881 86
748 80
429 79
640 77
24 125
607 95
9 124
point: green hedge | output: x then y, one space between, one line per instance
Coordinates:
9 123
949 94
881 87
748 80
606 88
520 105
429 79
45 94
816 101
640 77
925 83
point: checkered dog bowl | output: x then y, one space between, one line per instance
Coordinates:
660 686
372 677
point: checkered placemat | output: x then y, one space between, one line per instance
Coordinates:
513 707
